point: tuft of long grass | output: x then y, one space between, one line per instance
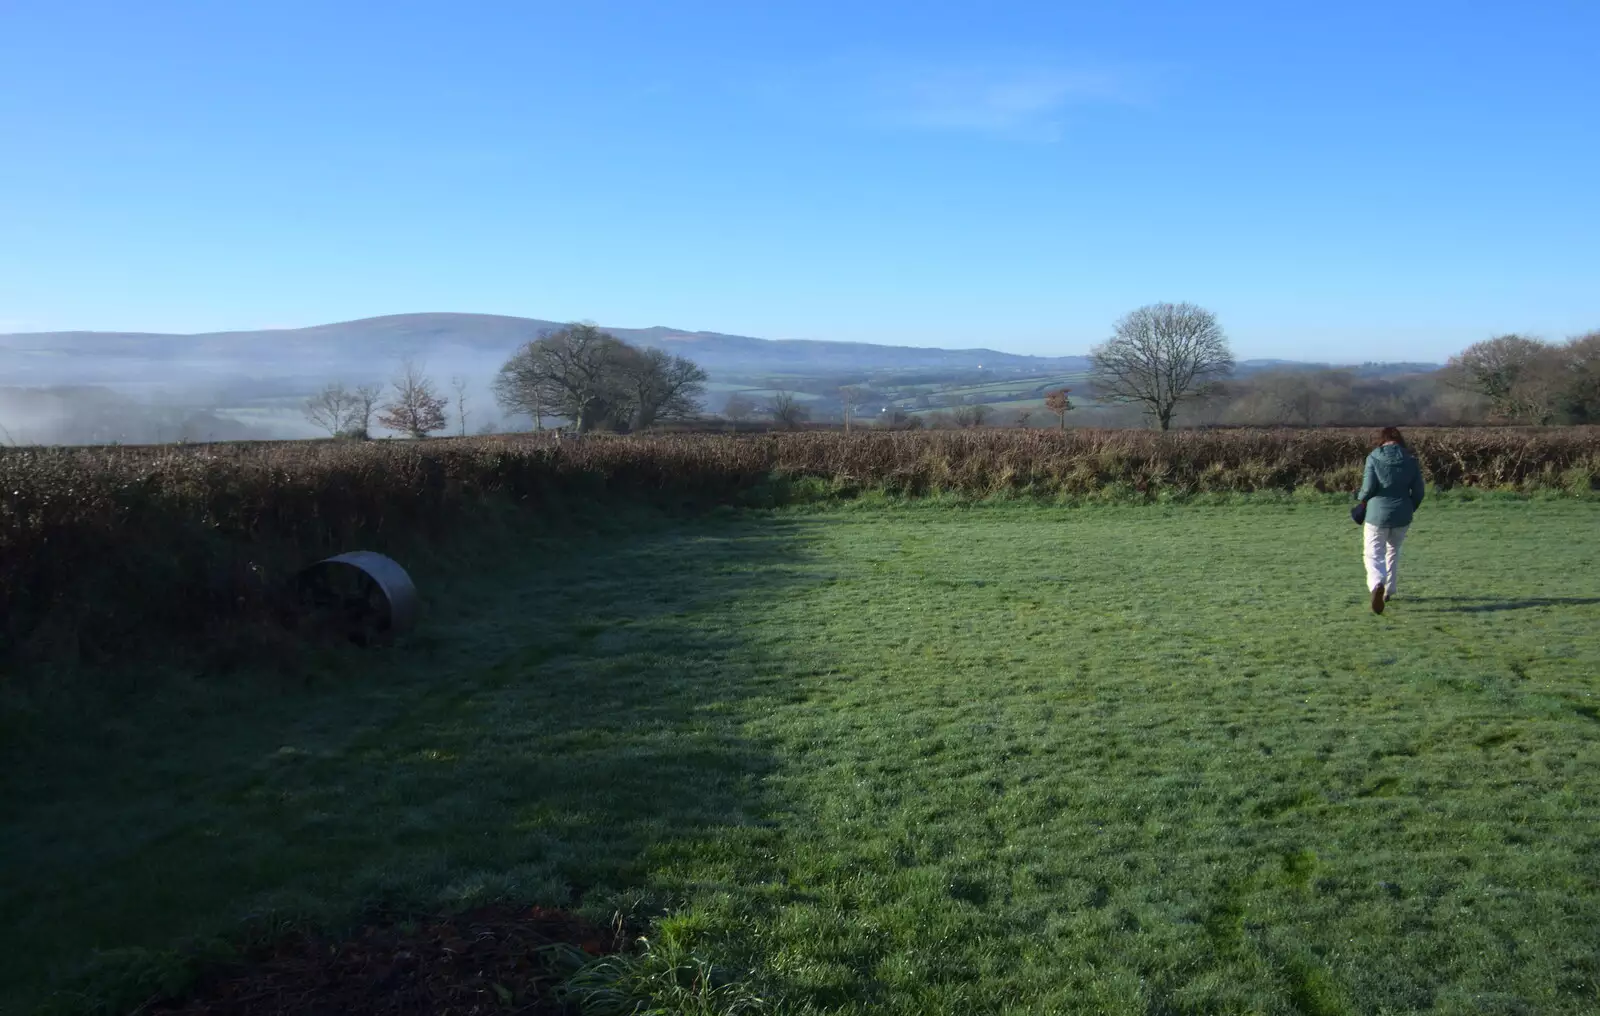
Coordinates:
664 976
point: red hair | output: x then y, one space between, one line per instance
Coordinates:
1388 434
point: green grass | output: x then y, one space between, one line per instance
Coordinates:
922 758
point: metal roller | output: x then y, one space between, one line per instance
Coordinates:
362 595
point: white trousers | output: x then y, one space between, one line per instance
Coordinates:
1381 550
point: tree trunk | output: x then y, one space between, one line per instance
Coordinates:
589 412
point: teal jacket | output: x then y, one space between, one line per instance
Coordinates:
1392 487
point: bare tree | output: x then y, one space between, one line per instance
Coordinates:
1493 367
788 410
1024 416
663 386
738 408
594 379
571 372
849 395
1160 356
1297 397
414 408
1541 387
341 411
1058 403
523 386
1583 389
363 403
330 409
460 386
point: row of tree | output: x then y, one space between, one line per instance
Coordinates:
1166 356
414 406
1161 359
1507 379
1301 397
579 374
1530 381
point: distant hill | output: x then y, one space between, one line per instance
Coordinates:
76 387
477 342
473 345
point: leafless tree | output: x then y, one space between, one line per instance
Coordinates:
787 410
662 386
1058 403
1297 397
413 408
738 408
1542 386
363 403
1492 368
524 384
1160 356
849 395
1024 416
330 409
1583 390
460 386
595 380
341 411
573 372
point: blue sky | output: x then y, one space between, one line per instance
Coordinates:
1344 181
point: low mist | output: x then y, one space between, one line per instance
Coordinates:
78 415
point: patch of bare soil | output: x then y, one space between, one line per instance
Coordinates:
491 960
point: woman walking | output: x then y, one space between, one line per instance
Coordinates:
1392 491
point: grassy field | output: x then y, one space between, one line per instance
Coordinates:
1014 393
905 758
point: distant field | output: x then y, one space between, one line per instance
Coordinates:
1036 405
997 393
729 388
916 760
905 396
283 415
766 393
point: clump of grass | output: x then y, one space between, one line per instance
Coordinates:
664 977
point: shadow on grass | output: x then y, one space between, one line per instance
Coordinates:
1481 605
567 729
